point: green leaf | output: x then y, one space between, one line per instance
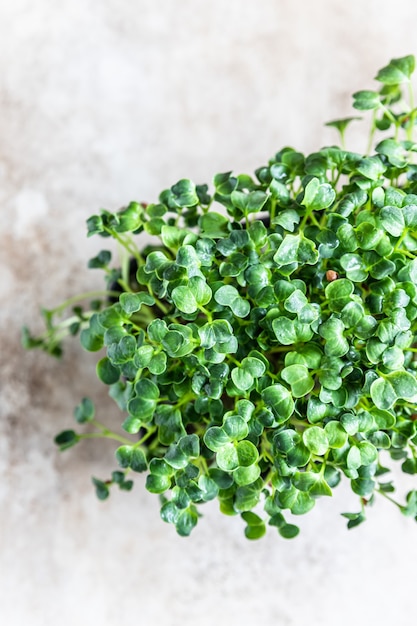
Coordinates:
66 439
354 460
102 490
184 193
227 457
366 100
91 341
235 428
157 364
312 482
246 475
216 438
190 446
208 487
394 151
157 483
229 296
279 400
410 510
288 531
107 372
201 290
372 168
213 225
354 519
247 453
351 314
247 497
336 434
295 301
302 504
318 196
222 479
132 424
251 202
385 391
255 528
336 344
242 378
392 219
354 266
350 423
170 512
284 329
84 412
101 260
94 225
315 438
342 124
299 378
186 521
288 218
368 452
339 293
250 368
189 298
383 419
143 404
170 424
309 355
296 249
131 456
132 302
184 300
397 71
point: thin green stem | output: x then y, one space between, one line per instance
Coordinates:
126 243
80 297
107 433
146 437
410 127
371 134
383 493
103 435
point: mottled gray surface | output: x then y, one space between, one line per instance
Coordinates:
102 102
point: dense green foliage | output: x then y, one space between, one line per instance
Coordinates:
262 347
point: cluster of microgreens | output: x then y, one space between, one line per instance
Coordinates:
263 346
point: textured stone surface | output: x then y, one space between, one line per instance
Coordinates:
106 101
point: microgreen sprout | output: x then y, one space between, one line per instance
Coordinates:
262 347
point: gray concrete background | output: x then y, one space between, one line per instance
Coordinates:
102 102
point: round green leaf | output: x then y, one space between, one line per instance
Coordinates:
288 531
279 400
247 453
84 412
354 460
336 434
242 378
227 457
157 484
216 438
299 378
246 475
339 293
184 299
107 372
316 440
397 385
235 427
318 196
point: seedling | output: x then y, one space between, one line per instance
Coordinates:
262 347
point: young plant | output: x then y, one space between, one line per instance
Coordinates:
263 347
